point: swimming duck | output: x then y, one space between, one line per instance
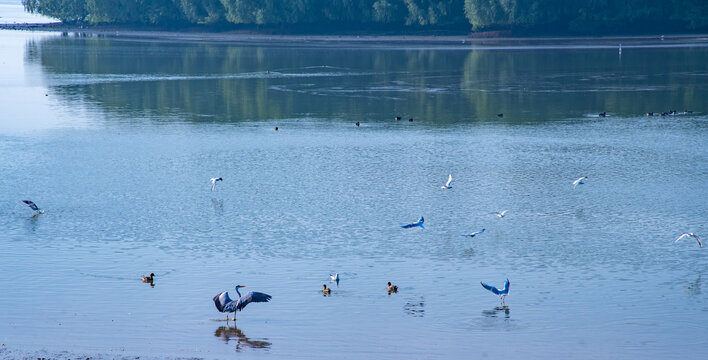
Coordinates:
357 123
325 290
148 279
391 288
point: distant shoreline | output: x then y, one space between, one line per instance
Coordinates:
254 36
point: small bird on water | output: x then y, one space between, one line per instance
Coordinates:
500 115
213 182
148 279
419 223
325 290
391 288
502 293
357 123
223 302
687 235
334 277
33 206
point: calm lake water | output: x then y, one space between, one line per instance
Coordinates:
116 140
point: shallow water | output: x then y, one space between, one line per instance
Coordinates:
117 139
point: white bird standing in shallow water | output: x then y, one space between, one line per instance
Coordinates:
500 214
579 181
213 182
447 184
33 206
684 235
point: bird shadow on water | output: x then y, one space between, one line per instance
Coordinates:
228 333
415 308
694 287
217 205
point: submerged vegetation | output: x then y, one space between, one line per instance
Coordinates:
574 16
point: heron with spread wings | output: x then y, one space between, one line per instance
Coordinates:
225 304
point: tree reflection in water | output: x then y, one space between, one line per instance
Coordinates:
228 333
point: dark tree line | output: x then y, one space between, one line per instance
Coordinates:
575 16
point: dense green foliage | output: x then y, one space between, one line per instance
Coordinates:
576 16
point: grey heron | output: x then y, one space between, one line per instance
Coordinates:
224 303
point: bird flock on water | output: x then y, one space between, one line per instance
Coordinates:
225 304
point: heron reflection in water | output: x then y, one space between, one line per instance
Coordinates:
228 333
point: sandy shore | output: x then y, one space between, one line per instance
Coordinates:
436 41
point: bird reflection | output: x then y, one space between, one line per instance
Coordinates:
497 311
32 222
228 333
218 205
415 307
694 288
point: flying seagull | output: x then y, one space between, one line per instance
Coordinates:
418 223
502 293
579 181
474 233
500 214
33 206
224 303
447 184
213 182
685 235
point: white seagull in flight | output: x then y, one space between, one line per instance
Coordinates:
474 233
685 235
419 223
447 184
579 181
500 214
213 182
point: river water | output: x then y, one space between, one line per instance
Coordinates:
116 140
